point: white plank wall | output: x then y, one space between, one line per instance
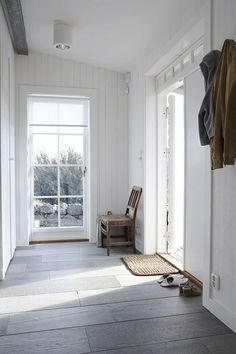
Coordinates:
223 244
7 176
43 70
136 148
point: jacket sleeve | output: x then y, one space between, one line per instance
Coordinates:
202 115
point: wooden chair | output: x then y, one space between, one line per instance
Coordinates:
127 221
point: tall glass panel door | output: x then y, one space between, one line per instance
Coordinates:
58 181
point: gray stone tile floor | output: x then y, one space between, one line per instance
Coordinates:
71 298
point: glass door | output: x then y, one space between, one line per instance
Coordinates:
175 174
58 181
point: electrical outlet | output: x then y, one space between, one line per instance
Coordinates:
215 281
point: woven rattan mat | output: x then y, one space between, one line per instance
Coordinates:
148 265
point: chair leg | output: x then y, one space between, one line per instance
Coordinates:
102 239
133 237
127 233
108 239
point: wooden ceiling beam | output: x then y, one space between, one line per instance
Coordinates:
14 17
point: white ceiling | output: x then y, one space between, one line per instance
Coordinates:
106 33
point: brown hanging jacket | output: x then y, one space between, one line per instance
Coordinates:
223 145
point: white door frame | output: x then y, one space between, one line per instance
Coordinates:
189 39
22 158
150 193
161 166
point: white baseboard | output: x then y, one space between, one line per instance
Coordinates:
223 314
139 245
22 243
2 274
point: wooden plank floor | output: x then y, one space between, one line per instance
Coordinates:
71 298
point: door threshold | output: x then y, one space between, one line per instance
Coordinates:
172 260
59 241
179 266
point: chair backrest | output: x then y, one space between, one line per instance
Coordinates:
133 201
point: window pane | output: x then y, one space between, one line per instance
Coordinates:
71 210
71 180
45 181
71 113
44 129
45 149
45 113
45 212
71 149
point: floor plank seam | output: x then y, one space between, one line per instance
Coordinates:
77 294
129 346
109 306
103 323
160 342
132 301
89 343
43 330
145 318
80 305
39 310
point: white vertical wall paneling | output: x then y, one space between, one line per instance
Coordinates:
221 27
150 180
223 247
136 146
118 142
109 135
21 162
102 137
5 154
208 242
109 154
122 126
7 217
12 154
67 73
44 70
115 140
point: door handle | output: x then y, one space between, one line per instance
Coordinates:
85 170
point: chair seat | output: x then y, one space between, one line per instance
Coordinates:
116 220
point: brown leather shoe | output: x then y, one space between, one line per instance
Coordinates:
191 290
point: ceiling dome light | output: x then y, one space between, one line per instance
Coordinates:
62 35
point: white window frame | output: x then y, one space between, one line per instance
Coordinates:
24 228
59 196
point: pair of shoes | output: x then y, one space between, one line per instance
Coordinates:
162 277
182 285
191 290
174 280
